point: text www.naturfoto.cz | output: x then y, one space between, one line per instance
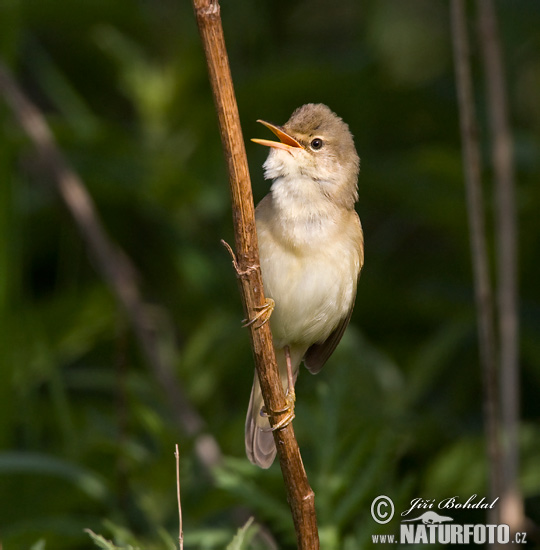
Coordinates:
451 534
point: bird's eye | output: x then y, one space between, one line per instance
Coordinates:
316 144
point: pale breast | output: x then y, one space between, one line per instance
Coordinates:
313 288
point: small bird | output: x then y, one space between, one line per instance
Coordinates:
311 251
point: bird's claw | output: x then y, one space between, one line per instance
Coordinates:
288 410
263 313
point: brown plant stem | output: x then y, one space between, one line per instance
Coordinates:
178 499
110 260
299 493
479 255
512 512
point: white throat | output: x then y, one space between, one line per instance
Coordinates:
306 218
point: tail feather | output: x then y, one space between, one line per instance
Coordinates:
260 446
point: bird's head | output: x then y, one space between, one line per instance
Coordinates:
315 145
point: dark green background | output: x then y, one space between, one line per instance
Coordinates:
86 435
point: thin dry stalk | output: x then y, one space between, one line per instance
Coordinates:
512 512
180 525
475 209
300 495
111 261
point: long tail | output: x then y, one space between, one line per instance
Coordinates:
260 446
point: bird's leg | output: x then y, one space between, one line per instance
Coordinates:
263 314
290 397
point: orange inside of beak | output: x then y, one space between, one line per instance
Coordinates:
285 142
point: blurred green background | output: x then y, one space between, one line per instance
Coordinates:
86 433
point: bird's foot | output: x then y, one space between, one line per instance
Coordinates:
263 314
290 398
288 411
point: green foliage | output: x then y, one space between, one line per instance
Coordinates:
243 537
106 544
86 432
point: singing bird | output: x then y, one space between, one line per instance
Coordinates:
311 250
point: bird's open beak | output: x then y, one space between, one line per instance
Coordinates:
286 142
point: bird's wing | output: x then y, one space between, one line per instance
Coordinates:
317 354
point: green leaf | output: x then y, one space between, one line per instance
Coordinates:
105 544
244 536
100 541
